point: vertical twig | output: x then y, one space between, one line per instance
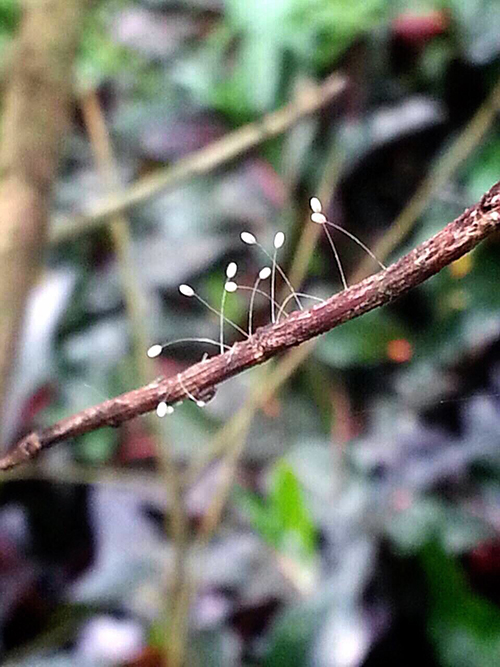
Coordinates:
134 297
136 305
35 116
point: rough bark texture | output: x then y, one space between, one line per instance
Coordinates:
456 239
34 116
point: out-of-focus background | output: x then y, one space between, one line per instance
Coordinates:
340 506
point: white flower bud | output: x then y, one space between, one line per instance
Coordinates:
315 205
248 238
154 351
279 239
186 290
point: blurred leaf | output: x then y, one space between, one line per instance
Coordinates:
264 521
464 627
327 628
36 361
97 447
259 62
287 498
156 34
293 633
475 24
428 516
100 55
333 25
361 341
10 13
279 41
484 168
215 648
283 520
128 550
463 307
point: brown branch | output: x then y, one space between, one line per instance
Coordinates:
34 115
448 245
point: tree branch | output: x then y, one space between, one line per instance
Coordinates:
427 259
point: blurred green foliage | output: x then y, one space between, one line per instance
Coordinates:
464 627
282 520
383 454
278 42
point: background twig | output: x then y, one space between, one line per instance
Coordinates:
136 306
205 160
35 114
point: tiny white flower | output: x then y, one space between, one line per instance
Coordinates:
230 286
186 290
162 409
248 238
231 270
264 273
315 205
154 351
318 217
279 239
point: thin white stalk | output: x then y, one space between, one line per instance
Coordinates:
290 297
318 217
337 258
281 308
273 284
278 242
356 240
250 239
263 275
156 350
187 290
214 310
231 270
283 275
221 321
250 310
199 403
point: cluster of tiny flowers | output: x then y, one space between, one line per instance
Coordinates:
230 286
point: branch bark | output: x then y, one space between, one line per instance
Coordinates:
35 114
427 259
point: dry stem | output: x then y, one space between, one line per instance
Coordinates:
34 115
136 302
